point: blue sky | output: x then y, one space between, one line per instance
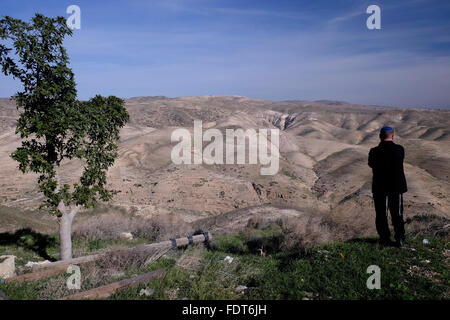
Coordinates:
277 50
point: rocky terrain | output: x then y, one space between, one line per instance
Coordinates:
323 176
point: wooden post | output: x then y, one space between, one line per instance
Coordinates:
159 245
52 268
109 289
180 242
44 273
66 263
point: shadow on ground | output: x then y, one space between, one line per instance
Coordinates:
29 240
363 240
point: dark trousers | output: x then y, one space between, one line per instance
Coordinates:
393 202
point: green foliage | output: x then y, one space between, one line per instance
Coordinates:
418 271
53 124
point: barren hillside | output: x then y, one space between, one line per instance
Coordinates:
323 175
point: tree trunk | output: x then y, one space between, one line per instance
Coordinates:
65 236
65 225
65 233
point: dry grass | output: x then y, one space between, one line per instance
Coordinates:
316 229
115 265
13 219
111 225
191 259
428 224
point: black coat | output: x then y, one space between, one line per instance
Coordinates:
386 161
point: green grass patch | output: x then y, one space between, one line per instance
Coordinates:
332 271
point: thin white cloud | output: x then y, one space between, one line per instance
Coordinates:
346 17
267 13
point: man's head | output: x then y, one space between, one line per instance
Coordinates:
387 134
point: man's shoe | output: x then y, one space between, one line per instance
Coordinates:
400 243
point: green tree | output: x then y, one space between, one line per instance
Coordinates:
53 124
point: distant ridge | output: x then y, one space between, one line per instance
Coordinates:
332 102
144 99
141 99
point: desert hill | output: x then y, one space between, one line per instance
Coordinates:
323 176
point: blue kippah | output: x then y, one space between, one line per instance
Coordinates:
386 129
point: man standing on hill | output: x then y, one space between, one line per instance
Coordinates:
388 186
